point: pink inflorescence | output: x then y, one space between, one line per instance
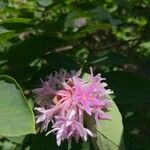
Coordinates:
64 98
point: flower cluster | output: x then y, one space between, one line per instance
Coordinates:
64 98
80 22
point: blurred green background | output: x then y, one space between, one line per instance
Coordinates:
113 36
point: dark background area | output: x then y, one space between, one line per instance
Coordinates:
113 36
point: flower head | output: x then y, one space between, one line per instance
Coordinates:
64 98
80 22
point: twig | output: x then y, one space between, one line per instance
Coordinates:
118 43
139 39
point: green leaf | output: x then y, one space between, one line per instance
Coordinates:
55 61
7 35
113 129
3 4
17 23
86 145
17 20
109 132
108 58
58 61
21 74
72 16
100 14
98 26
32 48
16 117
129 87
44 3
90 26
3 30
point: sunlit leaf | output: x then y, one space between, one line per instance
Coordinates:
109 132
16 117
45 3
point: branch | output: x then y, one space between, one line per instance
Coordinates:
139 39
118 43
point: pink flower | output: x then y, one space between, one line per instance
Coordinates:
64 98
80 22
69 126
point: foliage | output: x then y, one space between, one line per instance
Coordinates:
38 37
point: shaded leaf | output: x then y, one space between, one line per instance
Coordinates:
73 145
17 140
32 48
86 145
108 58
129 87
95 27
17 23
7 35
41 141
22 74
58 61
